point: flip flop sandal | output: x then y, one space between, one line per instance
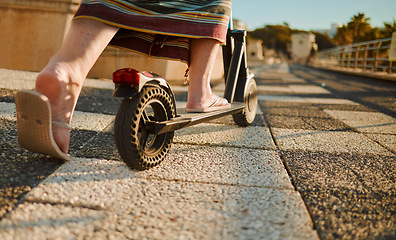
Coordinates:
34 124
211 108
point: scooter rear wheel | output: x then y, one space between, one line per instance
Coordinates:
246 117
136 142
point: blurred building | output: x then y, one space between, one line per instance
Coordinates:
334 29
392 50
302 46
254 49
237 24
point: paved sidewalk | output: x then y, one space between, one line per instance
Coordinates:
219 181
337 135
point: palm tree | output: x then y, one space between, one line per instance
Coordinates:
343 36
359 26
389 29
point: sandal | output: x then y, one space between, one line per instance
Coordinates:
34 124
215 106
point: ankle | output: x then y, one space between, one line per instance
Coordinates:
49 85
56 83
52 81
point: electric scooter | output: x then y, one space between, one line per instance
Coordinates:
147 117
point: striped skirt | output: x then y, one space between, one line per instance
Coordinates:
160 28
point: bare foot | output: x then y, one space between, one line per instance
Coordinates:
56 83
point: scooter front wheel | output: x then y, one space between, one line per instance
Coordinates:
136 142
248 114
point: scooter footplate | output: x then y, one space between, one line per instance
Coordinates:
185 119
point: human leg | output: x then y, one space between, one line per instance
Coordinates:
62 79
203 56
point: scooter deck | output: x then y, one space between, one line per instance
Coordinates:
185 119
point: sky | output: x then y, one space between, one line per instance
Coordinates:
311 14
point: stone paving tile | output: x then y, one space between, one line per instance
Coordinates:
181 211
228 120
309 89
7 111
277 88
20 170
222 165
308 123
16 79
293 79
101 145
81 120
275 75
296 99
301 105
91 121
327 141
350 196
203 164
389 141
96 100
377 126
85 197
295 111
99 84
346 107
367 122
288 122
7 95
294 89
226 135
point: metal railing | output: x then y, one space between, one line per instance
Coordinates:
371 56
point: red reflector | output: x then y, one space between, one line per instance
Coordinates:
126 76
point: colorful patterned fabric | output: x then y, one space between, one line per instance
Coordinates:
160 28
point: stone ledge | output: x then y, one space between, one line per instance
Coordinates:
64 6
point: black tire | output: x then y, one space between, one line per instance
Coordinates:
246 117
139 148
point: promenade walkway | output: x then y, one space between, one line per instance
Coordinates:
311 165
